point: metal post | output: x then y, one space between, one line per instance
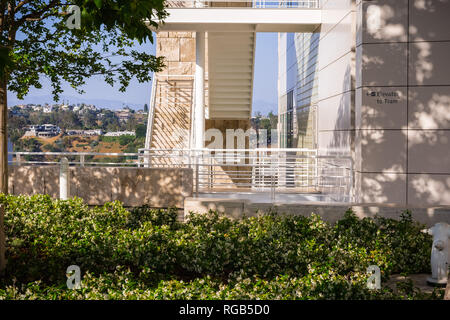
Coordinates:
210 173
272 188
196 177
64 179
149 159
307 173
316 173
82 160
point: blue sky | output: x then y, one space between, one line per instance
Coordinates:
137 94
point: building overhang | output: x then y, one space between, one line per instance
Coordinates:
242 19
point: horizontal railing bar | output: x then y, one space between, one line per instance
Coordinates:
75 154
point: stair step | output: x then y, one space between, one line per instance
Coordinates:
230 115
230 89
226 50
234 94
226 61
231 83
233 69
229 107
229 101
231 76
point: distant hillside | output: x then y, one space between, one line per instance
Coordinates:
100 103
98 144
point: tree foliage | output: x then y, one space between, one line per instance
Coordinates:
38 42
35 42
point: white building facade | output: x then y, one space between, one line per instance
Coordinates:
372 82
367 81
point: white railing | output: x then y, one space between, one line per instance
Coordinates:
261 170
151 112
306 4
228 170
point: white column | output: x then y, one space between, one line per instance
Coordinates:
64 179
199 108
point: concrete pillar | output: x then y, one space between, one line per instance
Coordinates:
199 91
64 179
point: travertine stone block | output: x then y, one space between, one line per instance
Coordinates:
180 68
169 48
187 49
51 180
181 34
94 185
162 34
27 180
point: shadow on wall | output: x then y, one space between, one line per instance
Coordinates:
412 135
132 186
340 143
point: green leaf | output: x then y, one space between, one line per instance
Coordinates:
98 3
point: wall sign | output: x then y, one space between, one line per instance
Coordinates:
385 97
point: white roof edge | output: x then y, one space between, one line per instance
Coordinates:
191 18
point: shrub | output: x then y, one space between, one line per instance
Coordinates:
147 253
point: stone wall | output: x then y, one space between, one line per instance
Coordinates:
178 48
132 186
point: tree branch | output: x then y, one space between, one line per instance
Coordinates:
55 14
36 14
21 4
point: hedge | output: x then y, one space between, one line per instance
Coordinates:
147 254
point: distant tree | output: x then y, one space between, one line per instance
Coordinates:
265 124
29 145
16 127
130 124
273 119
145 107
126 139
141 131
110 122
52 147
67 120
89 119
